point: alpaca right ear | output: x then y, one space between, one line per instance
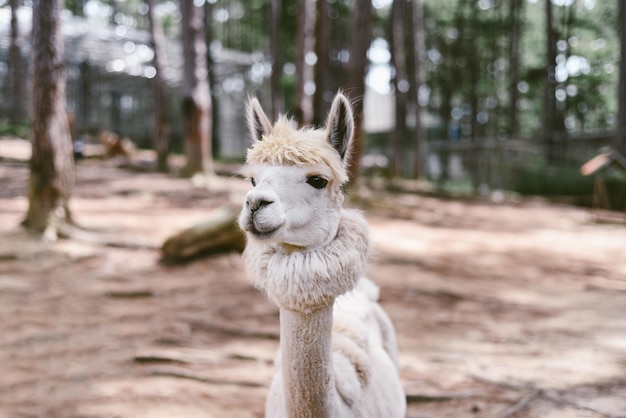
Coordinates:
258 122
340 125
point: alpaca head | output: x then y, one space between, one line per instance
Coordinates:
296 177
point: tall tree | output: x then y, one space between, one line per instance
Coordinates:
322 46
277 58
196 91
209 26
360 40
619 141
474 72
51 165
407 51
161 122
474 69
304 71
516 8
15 67
549 114
401 83
83 100
416 68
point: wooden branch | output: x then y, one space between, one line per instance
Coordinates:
522 403
595 164
505 385
548 395
129 293
574 402
219 233
172 355
443 397
605 157
180 372
237 332
77 233
188 356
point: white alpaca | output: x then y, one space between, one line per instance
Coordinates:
338 355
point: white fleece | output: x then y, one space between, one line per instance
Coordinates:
306 279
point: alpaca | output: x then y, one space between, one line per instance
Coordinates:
337 354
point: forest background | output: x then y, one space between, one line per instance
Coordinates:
472 95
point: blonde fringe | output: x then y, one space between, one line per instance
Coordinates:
285 145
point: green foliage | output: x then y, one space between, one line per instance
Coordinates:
466 60
242 25
537 178
468 70
14 129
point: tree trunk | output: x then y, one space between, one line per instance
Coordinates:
474 69
303 111
515 34
549 95
322 42
83 106
15 68
51 165
416 54
401 84
361 38
277 59
196 106
619 143
215 110
161 124
116 111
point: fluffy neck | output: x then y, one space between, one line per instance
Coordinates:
305 343
304 283
307 279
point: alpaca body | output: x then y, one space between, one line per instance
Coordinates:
365 381
338 355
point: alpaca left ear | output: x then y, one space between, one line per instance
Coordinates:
340 125
258 122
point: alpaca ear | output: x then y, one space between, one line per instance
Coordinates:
258 122
340 125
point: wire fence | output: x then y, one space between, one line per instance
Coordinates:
525 166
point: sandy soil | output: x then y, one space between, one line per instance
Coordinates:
501 310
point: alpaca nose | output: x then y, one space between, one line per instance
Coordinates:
258 202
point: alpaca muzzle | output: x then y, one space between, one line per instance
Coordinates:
260 215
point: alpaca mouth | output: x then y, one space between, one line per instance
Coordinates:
261 233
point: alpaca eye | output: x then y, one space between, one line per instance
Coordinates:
253 181
317 182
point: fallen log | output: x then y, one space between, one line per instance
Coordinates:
219 233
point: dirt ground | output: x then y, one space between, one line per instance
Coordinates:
509 310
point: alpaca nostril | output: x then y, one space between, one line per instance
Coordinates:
256 205
265 203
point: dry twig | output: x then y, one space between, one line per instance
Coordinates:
179 372
521 404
